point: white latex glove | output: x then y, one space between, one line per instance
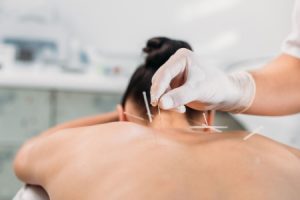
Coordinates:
200 87
30 192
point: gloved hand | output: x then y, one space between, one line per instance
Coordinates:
183 80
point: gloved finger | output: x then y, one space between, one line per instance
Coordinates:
165 74
176 97
178 56
179 109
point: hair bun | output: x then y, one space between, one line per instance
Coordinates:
160 49
154 44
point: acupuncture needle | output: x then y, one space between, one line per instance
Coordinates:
147 107
256 131
134 116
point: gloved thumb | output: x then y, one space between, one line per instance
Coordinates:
176 97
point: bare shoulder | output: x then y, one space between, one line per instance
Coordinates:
112 135
267 147
120 128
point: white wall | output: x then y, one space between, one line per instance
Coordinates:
225 29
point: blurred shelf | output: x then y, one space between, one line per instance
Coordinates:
63 81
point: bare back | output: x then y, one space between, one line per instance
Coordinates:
127 161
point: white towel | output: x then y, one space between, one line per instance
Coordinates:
29 192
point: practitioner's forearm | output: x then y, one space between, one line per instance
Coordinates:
277 87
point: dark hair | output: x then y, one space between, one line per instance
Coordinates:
158 50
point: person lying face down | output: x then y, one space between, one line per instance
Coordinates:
132 107
162 161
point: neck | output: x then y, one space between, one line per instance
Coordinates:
169 119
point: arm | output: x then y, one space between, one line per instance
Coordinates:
23 167
277 87
40 156
278 83
272 90
36 155
87 121
24 163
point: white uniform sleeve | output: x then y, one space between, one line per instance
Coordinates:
291 45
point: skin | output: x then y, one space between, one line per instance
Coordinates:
126 160
277 86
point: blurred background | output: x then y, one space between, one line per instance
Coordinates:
64 59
